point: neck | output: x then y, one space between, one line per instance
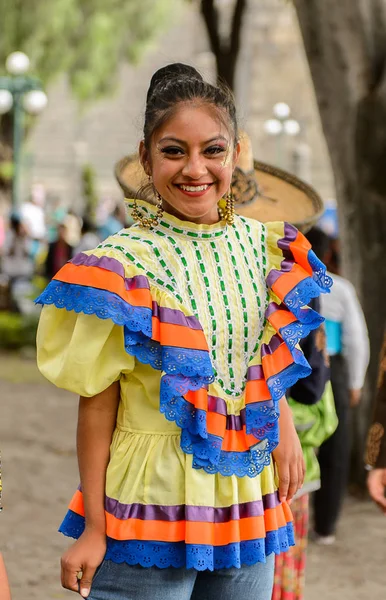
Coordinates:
207 219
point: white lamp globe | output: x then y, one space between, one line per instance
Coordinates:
6 101
17 63
35 101
281 110
291 127
273 127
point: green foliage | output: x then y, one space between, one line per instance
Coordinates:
88 39
90 196
17 331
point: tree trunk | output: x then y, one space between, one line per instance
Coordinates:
225 51
345 43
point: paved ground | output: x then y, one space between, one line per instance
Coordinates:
37 432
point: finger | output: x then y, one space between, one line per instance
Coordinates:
69 576
85 582
376 490
302 472
293 485
284 481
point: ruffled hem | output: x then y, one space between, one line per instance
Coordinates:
178 554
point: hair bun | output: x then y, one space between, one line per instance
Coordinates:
174 70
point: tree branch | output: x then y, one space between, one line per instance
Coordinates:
210 15
234 45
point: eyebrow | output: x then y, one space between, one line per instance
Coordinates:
178 141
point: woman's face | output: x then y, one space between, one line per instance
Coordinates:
192 157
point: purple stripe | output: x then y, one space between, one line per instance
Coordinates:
235 422
274 274
217 405
255 372
290 232
273 307
174 316
272 277
182 512
273 345
111 264
165 315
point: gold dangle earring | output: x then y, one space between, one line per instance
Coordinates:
147 222
229 213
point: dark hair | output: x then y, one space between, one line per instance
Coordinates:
320 242
182 83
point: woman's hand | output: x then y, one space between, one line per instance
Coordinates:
288 455
84 557
376 484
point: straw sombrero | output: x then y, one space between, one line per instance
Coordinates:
261 191
267 193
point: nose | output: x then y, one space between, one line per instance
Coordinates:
194 166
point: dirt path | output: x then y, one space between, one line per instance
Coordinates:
37 433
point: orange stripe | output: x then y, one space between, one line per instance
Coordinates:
256 390
182 337
281 318
198 398
193 532
76 504
168 334
277 362
238 441
234 441
103 280
216 424
287 281
300 248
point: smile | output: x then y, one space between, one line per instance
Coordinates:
194 188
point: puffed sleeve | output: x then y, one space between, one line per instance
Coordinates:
80 352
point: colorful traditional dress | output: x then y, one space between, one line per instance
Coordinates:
200 324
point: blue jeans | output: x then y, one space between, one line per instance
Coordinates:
115 581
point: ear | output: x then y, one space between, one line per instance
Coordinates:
144 158
236 154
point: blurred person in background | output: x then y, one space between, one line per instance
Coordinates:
59 252
376 439
89 237
17 264
114 222
33 217
348 349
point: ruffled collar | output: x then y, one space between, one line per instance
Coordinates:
171 225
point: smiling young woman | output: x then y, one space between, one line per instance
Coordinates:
181 336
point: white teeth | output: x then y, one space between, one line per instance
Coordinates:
194 188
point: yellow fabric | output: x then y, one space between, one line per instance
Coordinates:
84 354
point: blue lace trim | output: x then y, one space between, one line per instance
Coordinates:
103 304
323 280
280 383
294 332
179 554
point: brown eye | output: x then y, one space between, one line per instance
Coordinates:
172 150
215 150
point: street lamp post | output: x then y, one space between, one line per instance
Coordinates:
21 93
281 124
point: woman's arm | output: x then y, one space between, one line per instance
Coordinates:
288 455
96 423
